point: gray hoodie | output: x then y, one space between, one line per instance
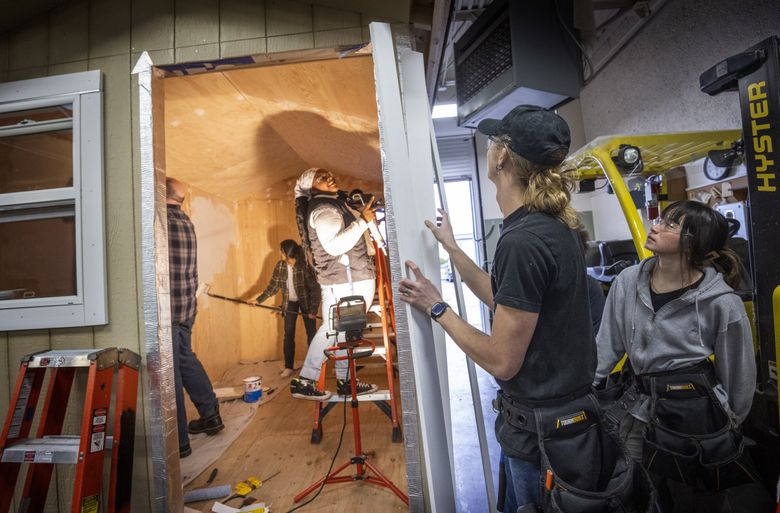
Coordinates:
707 320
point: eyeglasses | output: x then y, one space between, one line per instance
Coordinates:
322 177
666 225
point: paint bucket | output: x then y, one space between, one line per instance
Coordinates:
253 389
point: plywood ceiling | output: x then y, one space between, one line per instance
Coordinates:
251 132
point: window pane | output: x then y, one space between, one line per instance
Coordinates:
34 161
37 256
459 199
30 117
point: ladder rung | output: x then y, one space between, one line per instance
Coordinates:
51 449
379 395
73 358
375 335
380 352
376 365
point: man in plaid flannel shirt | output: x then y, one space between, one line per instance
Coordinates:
188 371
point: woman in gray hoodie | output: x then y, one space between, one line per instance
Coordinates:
677 313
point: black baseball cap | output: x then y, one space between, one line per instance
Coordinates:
536 134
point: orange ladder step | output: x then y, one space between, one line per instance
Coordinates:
85 451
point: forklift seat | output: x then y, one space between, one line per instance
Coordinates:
613 251
614 256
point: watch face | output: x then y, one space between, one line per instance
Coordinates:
714 172
438 309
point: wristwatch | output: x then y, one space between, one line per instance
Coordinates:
438 309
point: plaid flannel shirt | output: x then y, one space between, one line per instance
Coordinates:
182 266
304 281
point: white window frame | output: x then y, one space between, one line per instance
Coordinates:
88 307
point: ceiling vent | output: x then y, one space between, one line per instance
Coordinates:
516 52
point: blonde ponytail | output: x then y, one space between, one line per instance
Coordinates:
547 189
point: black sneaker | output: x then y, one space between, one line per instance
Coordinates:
184 451
302 388
209 425
345 389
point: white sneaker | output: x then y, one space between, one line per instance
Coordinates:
286 373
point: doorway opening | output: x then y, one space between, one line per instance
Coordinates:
470 484
239 138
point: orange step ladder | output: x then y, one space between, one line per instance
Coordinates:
87 450
385 400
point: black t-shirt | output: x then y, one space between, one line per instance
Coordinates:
659 299
539 267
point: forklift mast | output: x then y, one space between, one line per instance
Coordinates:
755 73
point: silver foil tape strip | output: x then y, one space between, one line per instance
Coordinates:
409 409
160 400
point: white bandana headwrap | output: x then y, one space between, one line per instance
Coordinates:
305 182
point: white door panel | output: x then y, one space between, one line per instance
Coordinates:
408 174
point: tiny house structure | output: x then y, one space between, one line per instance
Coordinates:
306 109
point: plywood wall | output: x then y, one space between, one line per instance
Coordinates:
263 224
216 333
109 35
238 246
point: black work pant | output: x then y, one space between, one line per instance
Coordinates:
290 319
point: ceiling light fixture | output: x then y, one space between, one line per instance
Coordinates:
445 110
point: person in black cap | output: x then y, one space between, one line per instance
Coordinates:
541 349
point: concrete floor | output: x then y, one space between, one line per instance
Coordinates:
470 491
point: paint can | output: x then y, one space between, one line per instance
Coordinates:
253 389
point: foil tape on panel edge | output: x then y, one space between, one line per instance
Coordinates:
409 412
160 410
405 364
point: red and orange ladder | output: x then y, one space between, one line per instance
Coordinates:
385 400
87 450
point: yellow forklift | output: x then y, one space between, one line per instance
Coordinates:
647 161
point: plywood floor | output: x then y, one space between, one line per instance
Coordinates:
277 439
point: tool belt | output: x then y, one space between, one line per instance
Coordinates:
617 395
584 466
690 437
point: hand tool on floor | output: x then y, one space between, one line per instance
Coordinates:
271 476
247 501
243 489
246 487
212 476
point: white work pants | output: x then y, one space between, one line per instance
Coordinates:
331 294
